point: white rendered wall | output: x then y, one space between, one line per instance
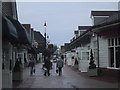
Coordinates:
103 52
69 60
83 64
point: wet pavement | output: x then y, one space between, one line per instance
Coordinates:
70 79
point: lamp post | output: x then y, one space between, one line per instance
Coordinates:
45 26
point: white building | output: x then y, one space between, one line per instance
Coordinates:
104 39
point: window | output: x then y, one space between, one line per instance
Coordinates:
109 42
114 52
95 44
119 41
112 42
116 41
85 55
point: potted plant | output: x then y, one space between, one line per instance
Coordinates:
92 70
17 71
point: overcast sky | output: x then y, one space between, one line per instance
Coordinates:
62 17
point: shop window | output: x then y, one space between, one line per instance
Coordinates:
116 41
85 55
109 41
95 44
112 42
111 51
119 41
88 47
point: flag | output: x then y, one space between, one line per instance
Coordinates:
45 25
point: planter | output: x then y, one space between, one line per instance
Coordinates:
76 66
6 79
92 72
18 76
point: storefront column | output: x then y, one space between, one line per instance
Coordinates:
0 47
114 55
0 57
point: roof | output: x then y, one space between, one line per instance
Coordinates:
27 27
84 27
39 37
114 18
102 13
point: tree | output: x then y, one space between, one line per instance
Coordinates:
92 64
52 48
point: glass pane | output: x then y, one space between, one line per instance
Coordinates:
111 51
112 42
117 57
85 56
118 41
115 41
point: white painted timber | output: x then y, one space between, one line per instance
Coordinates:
84 64
103 52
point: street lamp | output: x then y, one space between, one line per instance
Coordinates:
45 26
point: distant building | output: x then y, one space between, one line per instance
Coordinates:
81 30
39 38
28 28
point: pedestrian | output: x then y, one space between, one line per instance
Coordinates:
47 65
18 66
32 66
59 65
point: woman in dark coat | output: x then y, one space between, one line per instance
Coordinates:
47 65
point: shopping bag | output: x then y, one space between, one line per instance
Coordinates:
45 69
34 70
56 70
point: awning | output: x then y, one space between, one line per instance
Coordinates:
9 32
23 36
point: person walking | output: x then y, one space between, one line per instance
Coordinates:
59 65
32 66
47 65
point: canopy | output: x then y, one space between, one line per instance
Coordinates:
9 32
23 36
